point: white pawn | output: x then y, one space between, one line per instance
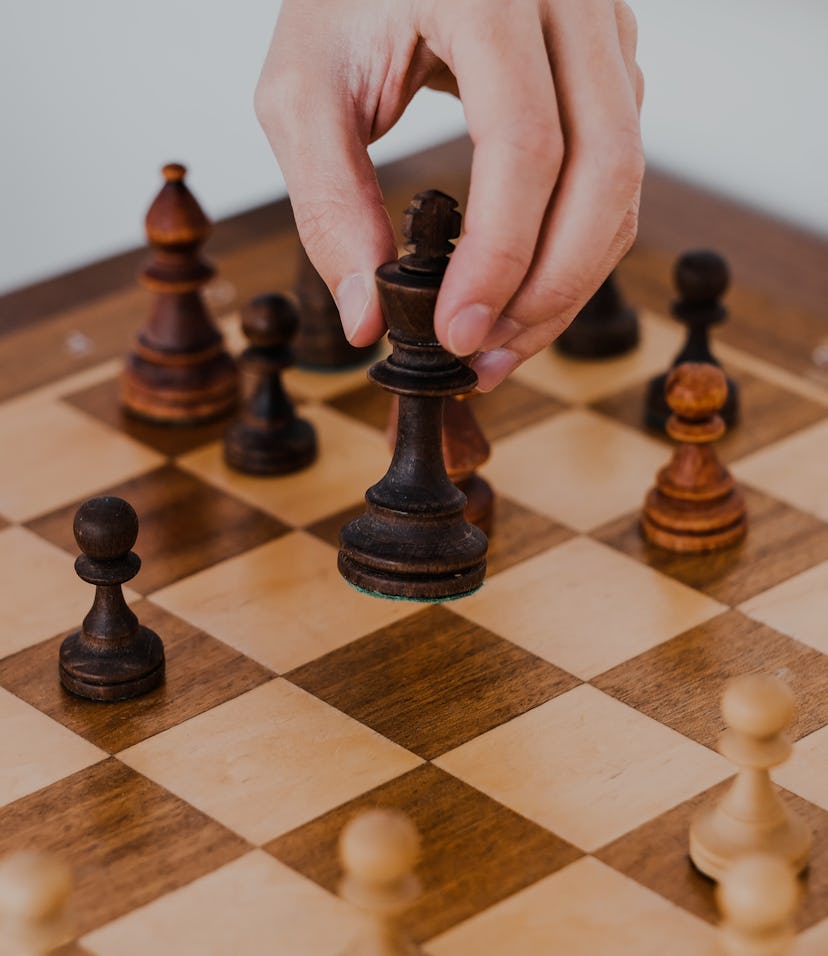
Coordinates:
34 904
751 817
757 898
378 850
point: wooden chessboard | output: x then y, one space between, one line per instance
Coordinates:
551 735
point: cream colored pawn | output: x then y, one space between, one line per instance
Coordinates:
751 817
34 904
757 898
378 850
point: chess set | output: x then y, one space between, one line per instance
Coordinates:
536 750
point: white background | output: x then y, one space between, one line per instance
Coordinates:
96 94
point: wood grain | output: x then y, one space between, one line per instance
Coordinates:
126 839
432 681
186 525
202 672
695 666
781 541
474 850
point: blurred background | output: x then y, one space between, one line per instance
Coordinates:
96 95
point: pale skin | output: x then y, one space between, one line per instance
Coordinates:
551 93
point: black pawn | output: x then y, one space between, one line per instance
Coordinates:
268 438
112 656
701 279
605 327
413 541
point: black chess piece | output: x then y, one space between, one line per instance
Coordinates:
268 438
605 327
178 371
413 540
112 656
320 343
701 279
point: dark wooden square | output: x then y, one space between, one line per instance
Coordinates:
126 840
679 683
475 851
186 525
656 855
201 673
102 401
432 681
768 413
781 542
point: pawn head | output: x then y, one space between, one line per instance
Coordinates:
701 277
379 847
695 390
270 320
106 528
758 705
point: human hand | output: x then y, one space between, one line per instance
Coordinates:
551 93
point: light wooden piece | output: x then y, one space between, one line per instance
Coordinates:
378 850
34 904
757 898
751 817
695 505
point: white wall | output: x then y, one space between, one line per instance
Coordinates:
96 94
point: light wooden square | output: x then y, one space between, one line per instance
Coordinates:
585 469
250 906
803 772
586 766
269 760
585 909
42 595
351 457
258 602
36 750
576 380
606 607
55 454
798 607
794 470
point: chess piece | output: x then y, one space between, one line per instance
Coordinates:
34 904
695 504
701 280
413 540
268 438
751 817
604 328
465 449
378 850
112 656
320 342
179 371
757 897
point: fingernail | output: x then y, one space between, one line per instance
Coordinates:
468 328
492 367
352 302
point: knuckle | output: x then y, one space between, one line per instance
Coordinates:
539 141
277 100
626 21
621 160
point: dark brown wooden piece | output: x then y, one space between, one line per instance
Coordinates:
695 505
268 438
179 371
605 327
465 449
320 342
701 279
111 657
413 541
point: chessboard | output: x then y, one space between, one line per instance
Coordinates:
551 736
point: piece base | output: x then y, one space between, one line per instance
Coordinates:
114 674
591 337
270 451
411 587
